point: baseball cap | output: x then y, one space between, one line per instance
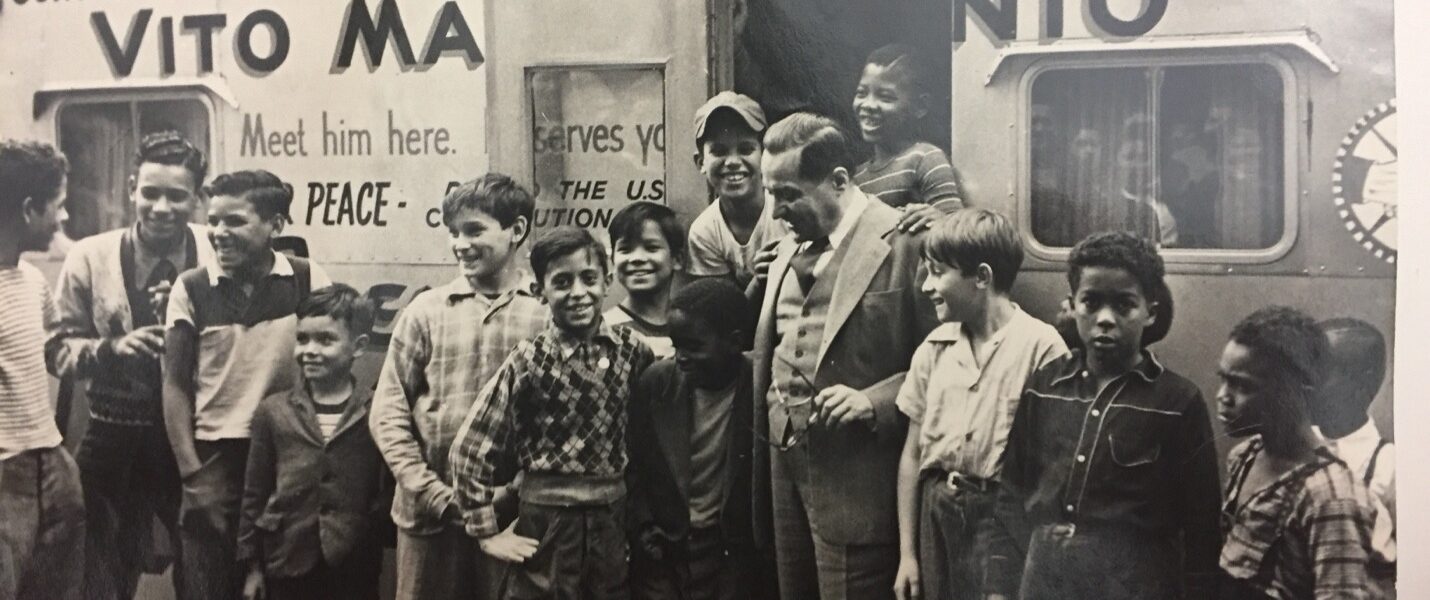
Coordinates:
743 105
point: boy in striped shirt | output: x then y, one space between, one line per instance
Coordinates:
41 507
904 172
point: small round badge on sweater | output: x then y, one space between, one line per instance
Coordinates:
604 363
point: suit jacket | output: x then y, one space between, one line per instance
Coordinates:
876 319
306 500
661 426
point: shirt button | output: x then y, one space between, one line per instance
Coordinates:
799 353
1082 458
805 312
1084 374
801 333
1069 507
1096 412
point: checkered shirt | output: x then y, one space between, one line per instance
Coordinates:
558 406
1307 535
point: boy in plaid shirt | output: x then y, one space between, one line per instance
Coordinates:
1297 520
556 411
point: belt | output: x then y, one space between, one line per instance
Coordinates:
965 483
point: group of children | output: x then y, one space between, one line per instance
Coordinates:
528 444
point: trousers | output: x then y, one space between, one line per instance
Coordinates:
41 526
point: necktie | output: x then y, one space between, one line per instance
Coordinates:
803 263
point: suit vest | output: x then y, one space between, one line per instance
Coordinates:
799 323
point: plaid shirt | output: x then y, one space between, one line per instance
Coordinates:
445 346
1307 535
557 406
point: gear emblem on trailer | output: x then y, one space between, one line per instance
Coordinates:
1365 181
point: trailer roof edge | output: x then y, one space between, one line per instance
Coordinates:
215 87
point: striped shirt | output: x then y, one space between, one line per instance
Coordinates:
445 346
27 418
655 336
920 175
1307 535
558 406
329 415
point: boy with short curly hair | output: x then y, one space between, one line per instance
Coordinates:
1109 484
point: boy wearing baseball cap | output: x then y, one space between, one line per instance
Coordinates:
727 236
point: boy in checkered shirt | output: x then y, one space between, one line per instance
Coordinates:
556 412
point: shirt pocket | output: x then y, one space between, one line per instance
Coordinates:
1135 435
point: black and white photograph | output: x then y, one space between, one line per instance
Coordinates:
710 299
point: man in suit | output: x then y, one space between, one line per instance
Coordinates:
840 319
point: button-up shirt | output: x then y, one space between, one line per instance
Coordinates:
963 404
445 346
557 406
1306 535
1136 455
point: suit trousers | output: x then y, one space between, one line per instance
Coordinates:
129 478
41 526
447 565
706 569
810 566
208 522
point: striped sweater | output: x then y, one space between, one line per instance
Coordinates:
27 418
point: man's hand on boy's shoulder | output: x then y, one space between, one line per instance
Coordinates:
508 545
842 405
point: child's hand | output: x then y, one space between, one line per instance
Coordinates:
918 217
253 588
842 405
906 581
762 259
508 546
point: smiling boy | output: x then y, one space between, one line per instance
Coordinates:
648 249
905 173
1109 484
228 345
557 412
960 396
727 237
446 345
111 333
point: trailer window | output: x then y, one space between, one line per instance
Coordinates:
100 140
1189 156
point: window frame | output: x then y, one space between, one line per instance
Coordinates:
63 101
1291 156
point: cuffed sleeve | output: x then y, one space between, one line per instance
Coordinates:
394 430
483 450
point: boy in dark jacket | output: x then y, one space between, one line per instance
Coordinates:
314 479
690 448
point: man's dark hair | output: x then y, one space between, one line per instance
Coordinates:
822 144
629 224
1358 353
902 56
973 236
717 301
342 303
494 194
563 241
172 148
28 170
1118 250
1290 340
268 194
